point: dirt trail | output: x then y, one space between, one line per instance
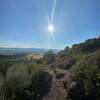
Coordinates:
57 91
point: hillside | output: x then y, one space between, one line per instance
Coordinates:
71 74
69 56
77 72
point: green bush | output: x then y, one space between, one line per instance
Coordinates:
86 74
1 82
19 77
4 65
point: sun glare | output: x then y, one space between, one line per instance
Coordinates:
50 28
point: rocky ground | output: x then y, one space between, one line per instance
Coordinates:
57 91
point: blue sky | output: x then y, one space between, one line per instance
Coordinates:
23 23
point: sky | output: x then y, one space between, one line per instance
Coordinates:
24 23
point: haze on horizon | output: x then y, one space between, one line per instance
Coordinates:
23 23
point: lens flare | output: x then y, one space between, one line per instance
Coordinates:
50 28
50 20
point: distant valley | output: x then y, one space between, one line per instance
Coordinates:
26 50
23 53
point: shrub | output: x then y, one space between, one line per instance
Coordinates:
86 74
22 80
49 57
19 77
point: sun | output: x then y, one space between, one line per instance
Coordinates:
50 28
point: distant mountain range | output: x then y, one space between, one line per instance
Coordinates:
27 50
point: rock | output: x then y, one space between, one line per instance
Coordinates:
60 75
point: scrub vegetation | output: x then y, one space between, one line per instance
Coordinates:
75 72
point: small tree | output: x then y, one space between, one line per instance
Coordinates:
49 57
